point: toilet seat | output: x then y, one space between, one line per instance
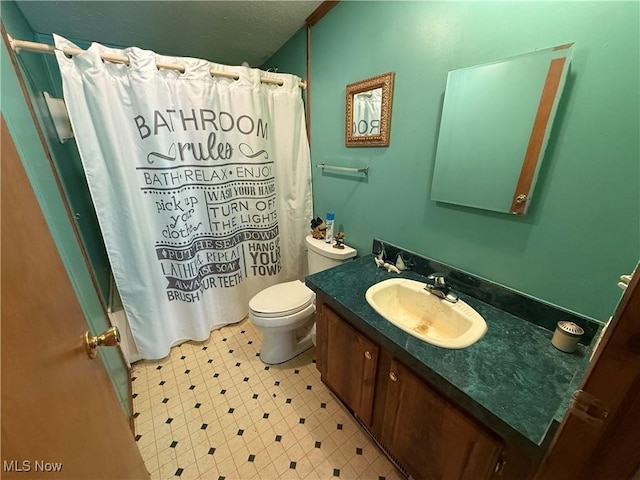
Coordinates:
281 300
288 322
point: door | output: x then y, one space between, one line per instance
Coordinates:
349 366
598 437
431 437
60 415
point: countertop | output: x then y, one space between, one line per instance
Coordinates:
512 380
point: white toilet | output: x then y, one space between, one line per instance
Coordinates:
284 313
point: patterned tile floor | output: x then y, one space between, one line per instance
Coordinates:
213 410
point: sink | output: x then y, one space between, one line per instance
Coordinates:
407 305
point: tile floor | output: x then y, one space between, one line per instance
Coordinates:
213 410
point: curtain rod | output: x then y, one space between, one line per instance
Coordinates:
17 45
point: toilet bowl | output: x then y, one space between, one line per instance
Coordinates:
285 313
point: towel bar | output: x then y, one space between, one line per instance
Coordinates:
364 169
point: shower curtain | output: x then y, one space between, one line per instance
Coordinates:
202 186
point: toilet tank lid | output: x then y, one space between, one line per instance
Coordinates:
281 298
327 250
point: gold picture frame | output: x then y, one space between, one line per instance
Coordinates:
372 129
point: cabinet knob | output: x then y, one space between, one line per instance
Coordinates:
500 466
393 377
367 355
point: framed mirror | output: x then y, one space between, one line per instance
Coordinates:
495 125
368 111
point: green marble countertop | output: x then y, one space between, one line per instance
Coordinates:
512 380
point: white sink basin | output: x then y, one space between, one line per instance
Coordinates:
407 305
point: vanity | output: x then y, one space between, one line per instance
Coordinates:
484 411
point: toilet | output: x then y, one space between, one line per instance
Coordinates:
284 313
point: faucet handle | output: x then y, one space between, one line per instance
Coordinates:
437 279
437 284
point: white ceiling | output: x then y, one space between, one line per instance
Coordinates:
229 32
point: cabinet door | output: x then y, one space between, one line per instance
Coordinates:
349 364
431 437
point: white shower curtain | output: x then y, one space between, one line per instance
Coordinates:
202 186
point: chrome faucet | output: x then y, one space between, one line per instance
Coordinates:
437 284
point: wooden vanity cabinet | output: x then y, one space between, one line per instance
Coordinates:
430 437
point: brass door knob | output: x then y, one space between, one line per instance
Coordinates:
110 338
367 355
393 377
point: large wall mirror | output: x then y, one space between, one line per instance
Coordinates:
368 111
496 121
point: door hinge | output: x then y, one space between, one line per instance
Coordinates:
588 408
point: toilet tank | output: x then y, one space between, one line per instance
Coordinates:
322 255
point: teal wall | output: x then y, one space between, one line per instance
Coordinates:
292 56
23 131
583 228
66 158
42 74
